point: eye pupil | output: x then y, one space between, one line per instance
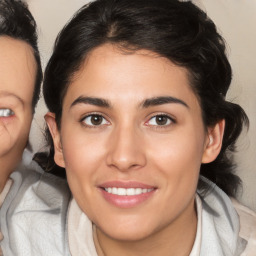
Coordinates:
96 120
161 120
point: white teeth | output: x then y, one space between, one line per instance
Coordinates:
121 191
6 112
114 191
138 191
128 191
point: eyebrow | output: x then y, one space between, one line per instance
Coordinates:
92 101
162 100
4 93
145 104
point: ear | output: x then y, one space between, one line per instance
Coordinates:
213 142
58 152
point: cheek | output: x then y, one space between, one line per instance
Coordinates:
178 158
10 132
82 153
6 139
84 157
13 135
177 150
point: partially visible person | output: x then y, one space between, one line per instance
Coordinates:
20 80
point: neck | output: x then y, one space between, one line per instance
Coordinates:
175 239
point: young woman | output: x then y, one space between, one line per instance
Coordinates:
138 118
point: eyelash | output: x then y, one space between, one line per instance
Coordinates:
6 112
94 125
168 119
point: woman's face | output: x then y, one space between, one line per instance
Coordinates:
132 141
17 79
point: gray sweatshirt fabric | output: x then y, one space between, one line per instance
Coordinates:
33 215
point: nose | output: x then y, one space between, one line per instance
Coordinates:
126 149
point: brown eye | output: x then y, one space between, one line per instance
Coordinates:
160 120
95 120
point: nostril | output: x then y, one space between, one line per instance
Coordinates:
125 153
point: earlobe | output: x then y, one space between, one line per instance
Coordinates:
58 153
213 142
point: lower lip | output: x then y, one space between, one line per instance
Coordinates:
6 119
127 201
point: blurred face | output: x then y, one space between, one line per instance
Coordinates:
17 78
132 141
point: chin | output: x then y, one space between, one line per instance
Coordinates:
128 235
131 232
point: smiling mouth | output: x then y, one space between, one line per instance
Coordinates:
126 194
127 191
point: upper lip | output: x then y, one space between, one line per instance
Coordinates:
125 184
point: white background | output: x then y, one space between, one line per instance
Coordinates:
236 20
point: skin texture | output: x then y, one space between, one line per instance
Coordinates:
17 78
129 145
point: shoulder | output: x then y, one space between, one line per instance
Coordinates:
232 224
247 226
33 216
34 188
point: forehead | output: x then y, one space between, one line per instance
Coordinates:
111 73
17 68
